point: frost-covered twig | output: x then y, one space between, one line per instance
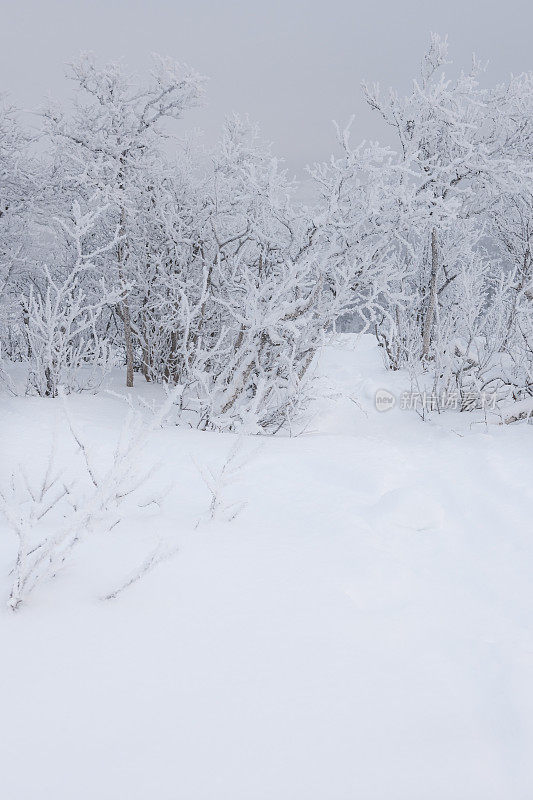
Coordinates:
51 516
161 553
217 482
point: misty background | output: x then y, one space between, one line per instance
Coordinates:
293 66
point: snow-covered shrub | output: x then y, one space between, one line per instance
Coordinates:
112 144
462 236
242 294
16 208
52 514
65 347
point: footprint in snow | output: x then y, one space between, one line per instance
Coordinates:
407 508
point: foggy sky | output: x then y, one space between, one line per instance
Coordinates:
294 66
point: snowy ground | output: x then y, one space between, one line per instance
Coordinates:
363 629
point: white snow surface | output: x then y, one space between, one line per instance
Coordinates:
362 629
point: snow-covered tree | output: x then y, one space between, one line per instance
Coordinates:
465 156
62 310
109 144
16 191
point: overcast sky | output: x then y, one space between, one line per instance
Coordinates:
294 66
